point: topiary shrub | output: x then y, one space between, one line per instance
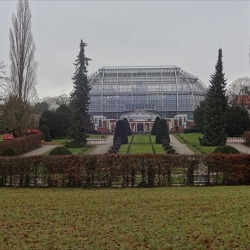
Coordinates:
226 149
153 130
9 152
162 133
61 150
121 132
127 125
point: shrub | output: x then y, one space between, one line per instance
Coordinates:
46 134
61 150
226 149
121 132
9 152
128 126
154 128
22 145
191 130
162 132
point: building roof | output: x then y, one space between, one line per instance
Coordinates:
243 99
139 115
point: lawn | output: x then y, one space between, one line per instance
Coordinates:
141 149
192 141
1 137
157 218
85 150
141 145
141 139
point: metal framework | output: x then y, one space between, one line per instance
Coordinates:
165 90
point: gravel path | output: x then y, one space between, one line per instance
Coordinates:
40 151
179 147
240 147
102 149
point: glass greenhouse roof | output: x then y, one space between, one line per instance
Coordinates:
139 115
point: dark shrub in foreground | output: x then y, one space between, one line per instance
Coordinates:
61 150
226 149
21 145
9 152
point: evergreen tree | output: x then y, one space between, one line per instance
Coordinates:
121 132
79 100
128 126
153 130
162 132
199 115
46 133
237 120
215 109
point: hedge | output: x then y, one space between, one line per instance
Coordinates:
113 170
21 145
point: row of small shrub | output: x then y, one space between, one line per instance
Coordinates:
167 147
124 170
191 130
20 145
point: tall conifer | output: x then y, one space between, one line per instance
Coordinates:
215 109
79 100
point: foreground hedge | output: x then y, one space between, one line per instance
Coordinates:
125 170
21 145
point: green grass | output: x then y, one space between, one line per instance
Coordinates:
123 149
141 145
98 136
159 149
74 151
158 218
141 139
60 140
85 150
1 137
141 149
192 141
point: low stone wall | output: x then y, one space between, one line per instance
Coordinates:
96 141
235 140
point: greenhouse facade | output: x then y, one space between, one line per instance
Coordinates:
163 90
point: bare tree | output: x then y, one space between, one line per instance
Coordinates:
23 70
239 91
23 67
2 79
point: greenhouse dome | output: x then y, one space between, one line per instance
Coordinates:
163 90
139 115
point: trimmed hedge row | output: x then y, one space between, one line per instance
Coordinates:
125 170
21 145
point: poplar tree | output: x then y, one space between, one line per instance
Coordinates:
79 100
215 108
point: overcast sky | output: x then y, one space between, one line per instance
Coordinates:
132 33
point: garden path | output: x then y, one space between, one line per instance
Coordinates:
179 147
240 147
102 149
40 151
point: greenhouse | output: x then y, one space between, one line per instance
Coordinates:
163 90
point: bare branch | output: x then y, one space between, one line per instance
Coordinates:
22 51
240 87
